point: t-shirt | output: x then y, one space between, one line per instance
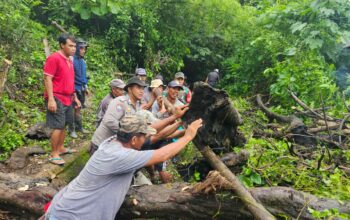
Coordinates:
109 126
100 188
62 70
213 78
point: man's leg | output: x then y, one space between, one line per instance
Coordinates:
56 143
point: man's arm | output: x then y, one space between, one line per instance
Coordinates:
176 134
165 132
51 105
170 150
161 124
114 113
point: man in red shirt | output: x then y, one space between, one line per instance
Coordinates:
59 95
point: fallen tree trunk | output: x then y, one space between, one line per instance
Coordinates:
175 203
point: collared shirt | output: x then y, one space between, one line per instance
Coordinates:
60 68
117 109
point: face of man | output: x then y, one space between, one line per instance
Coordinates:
136 91
180 81
68 48
82 51
173 92
142 77
117 91
138 141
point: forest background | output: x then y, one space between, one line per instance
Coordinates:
270 47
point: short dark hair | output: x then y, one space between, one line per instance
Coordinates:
126 137
62 39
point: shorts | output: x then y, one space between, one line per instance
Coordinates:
59 119
81 97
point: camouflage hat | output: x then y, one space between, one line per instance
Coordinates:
179 75
117 83
147 115
135 124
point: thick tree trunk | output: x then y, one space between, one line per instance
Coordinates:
175 203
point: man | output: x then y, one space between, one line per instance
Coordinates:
125 105
80 81
172 97
141 74
117 89
100 188
151 93
213 78
185 95
59 95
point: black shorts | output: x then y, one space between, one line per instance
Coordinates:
60 118
81 97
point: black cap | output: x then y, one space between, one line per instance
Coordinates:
174 84
134 80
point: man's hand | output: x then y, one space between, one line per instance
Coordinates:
180 111
192 129
52 105
77 102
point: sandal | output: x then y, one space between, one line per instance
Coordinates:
56 160
69 151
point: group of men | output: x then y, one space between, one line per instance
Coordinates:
137 126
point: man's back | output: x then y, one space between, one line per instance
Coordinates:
100 188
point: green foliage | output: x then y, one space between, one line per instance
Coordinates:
328 214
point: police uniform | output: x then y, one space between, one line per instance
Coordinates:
117 109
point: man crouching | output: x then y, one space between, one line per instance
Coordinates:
100 188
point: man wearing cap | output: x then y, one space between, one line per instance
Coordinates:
185 95
151 93
141 74
80 84
100 189
171 96
213 78
121 106
117 89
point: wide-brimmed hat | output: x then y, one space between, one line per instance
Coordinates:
136 124
117 83
175 84
156 83
134 81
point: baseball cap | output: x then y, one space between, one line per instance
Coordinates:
140 71
117 83
174 84
216 70
179 75
134 80
135 124
156 83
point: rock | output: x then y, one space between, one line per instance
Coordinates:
19 157
39 131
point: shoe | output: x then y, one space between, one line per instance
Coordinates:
69 151
56 160
84 131
73 134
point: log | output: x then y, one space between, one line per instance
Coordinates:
3 74
257 210
59 27
176 203
46 47
220 118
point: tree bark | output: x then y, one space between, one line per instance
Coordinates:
177 203
258 211
3 74
46 48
